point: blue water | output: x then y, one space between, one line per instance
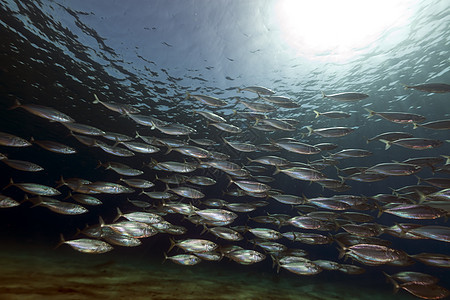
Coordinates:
149 54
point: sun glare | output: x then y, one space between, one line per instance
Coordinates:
338 29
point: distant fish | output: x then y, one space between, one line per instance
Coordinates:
84 129
348 96
430 87
333 114
120 108
330 132
208 100
43 112
257 89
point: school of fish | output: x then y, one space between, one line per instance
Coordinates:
247 173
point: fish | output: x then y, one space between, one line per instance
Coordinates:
239 146
390 136
246 257
84 129
281 101
333 114
260 90
226 127
193 245
208 100
22 165
120 168
430 87
394 169
43 112
347 96
330 132
34 188
184 259
54 146
256 106
116 107
397 117
414 143
90 246
10 140
436 125
210 116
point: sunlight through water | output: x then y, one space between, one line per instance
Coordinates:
339 30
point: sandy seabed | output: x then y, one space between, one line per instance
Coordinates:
41 272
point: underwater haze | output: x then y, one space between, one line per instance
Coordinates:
224 149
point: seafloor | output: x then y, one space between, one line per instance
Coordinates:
30 271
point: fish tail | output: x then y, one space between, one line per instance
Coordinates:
169 149
323 94
172 244
96 99
419 180
99 164
239 90
447 157
205 229
415 125
119 214
60 182
317 113
68 196
388 144
188 95
237 100
15 105
380 209
310 130
11 183
277 170
61 240
391 280
405 86
341 248
165 257
371 113
101 221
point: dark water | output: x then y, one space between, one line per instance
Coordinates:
59 54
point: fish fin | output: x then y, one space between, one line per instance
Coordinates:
61 240
323 94
380 209
172 244
341 249
317 113
165 257
169 149
277 170
405 86
119 214
11 183
447 157
101 221
388 144
15 105
419 180
391 280
68 196
205 229
96 99
310 130
371 112
415 125
60 182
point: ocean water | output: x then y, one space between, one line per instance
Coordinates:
150 55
